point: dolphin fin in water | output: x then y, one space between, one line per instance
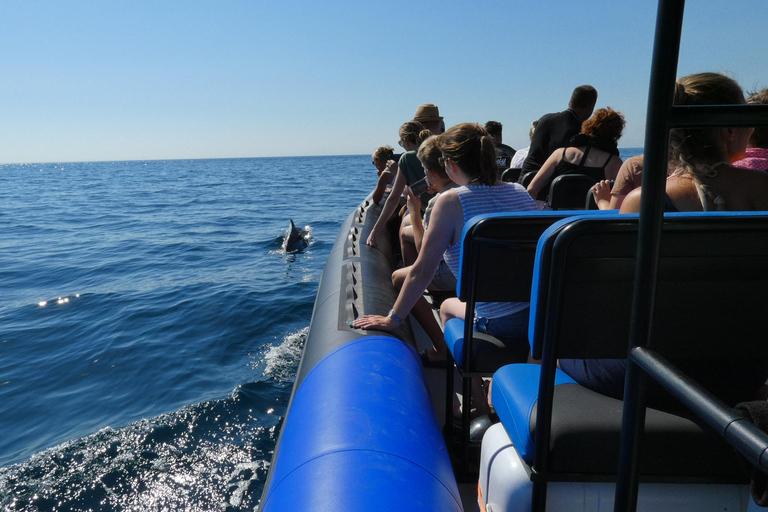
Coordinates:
295 240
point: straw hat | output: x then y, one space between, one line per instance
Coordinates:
427 112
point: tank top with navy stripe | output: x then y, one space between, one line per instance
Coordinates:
483 199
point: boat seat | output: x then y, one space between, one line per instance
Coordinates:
711 285
586 423
569 191
497 255
511 175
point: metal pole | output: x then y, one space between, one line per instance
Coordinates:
669 21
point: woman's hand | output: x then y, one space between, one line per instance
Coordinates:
372 238
601 191
375 322
413 201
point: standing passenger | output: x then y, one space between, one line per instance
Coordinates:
554 130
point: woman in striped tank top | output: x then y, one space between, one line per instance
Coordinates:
469 157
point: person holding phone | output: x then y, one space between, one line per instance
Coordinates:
469 158
435 181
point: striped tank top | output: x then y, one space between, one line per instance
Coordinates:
479 200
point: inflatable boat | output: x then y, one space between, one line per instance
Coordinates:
362 429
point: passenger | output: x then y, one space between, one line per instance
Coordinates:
409 170
519 158
629 178
702 179
429 115
469 157
386 168
554 130
593 152
757 150
701 175
504 153
429 154
439 182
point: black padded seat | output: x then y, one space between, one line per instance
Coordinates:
586 423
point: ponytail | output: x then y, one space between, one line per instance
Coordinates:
488 165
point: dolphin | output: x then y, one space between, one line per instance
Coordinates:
295 240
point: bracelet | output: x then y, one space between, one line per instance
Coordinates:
393 316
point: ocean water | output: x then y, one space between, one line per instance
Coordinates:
151 327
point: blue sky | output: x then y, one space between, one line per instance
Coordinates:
128 80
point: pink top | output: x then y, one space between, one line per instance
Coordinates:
757 158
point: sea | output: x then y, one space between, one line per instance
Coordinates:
151 324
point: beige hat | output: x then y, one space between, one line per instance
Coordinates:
427 112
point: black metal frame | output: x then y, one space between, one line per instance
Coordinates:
661 117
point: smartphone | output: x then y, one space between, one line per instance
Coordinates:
419 187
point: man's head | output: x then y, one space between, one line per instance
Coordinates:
429 115
583 101
494 130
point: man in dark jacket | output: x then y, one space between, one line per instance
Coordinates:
554 130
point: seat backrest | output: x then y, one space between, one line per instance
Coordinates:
569 191
511 175
711 289
525 178
497 254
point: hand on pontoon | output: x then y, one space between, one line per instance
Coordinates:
375 322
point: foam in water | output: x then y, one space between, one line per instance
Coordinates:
210 456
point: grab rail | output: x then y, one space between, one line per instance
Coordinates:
662 116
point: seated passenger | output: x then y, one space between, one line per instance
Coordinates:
629 178
409 170
443 280
504 153
469 157
757 150
702 179
593 152
439 182
519 158
386 168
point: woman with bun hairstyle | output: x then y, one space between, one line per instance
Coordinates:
469 157
702 179
409 170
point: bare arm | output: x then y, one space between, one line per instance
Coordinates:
417 223
545 174
612 169
442 231
631 203
385 179
393 201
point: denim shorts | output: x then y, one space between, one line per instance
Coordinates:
510 326
511 331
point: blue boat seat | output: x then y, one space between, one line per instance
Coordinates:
497 256
711 284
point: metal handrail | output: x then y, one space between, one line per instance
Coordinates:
661 117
